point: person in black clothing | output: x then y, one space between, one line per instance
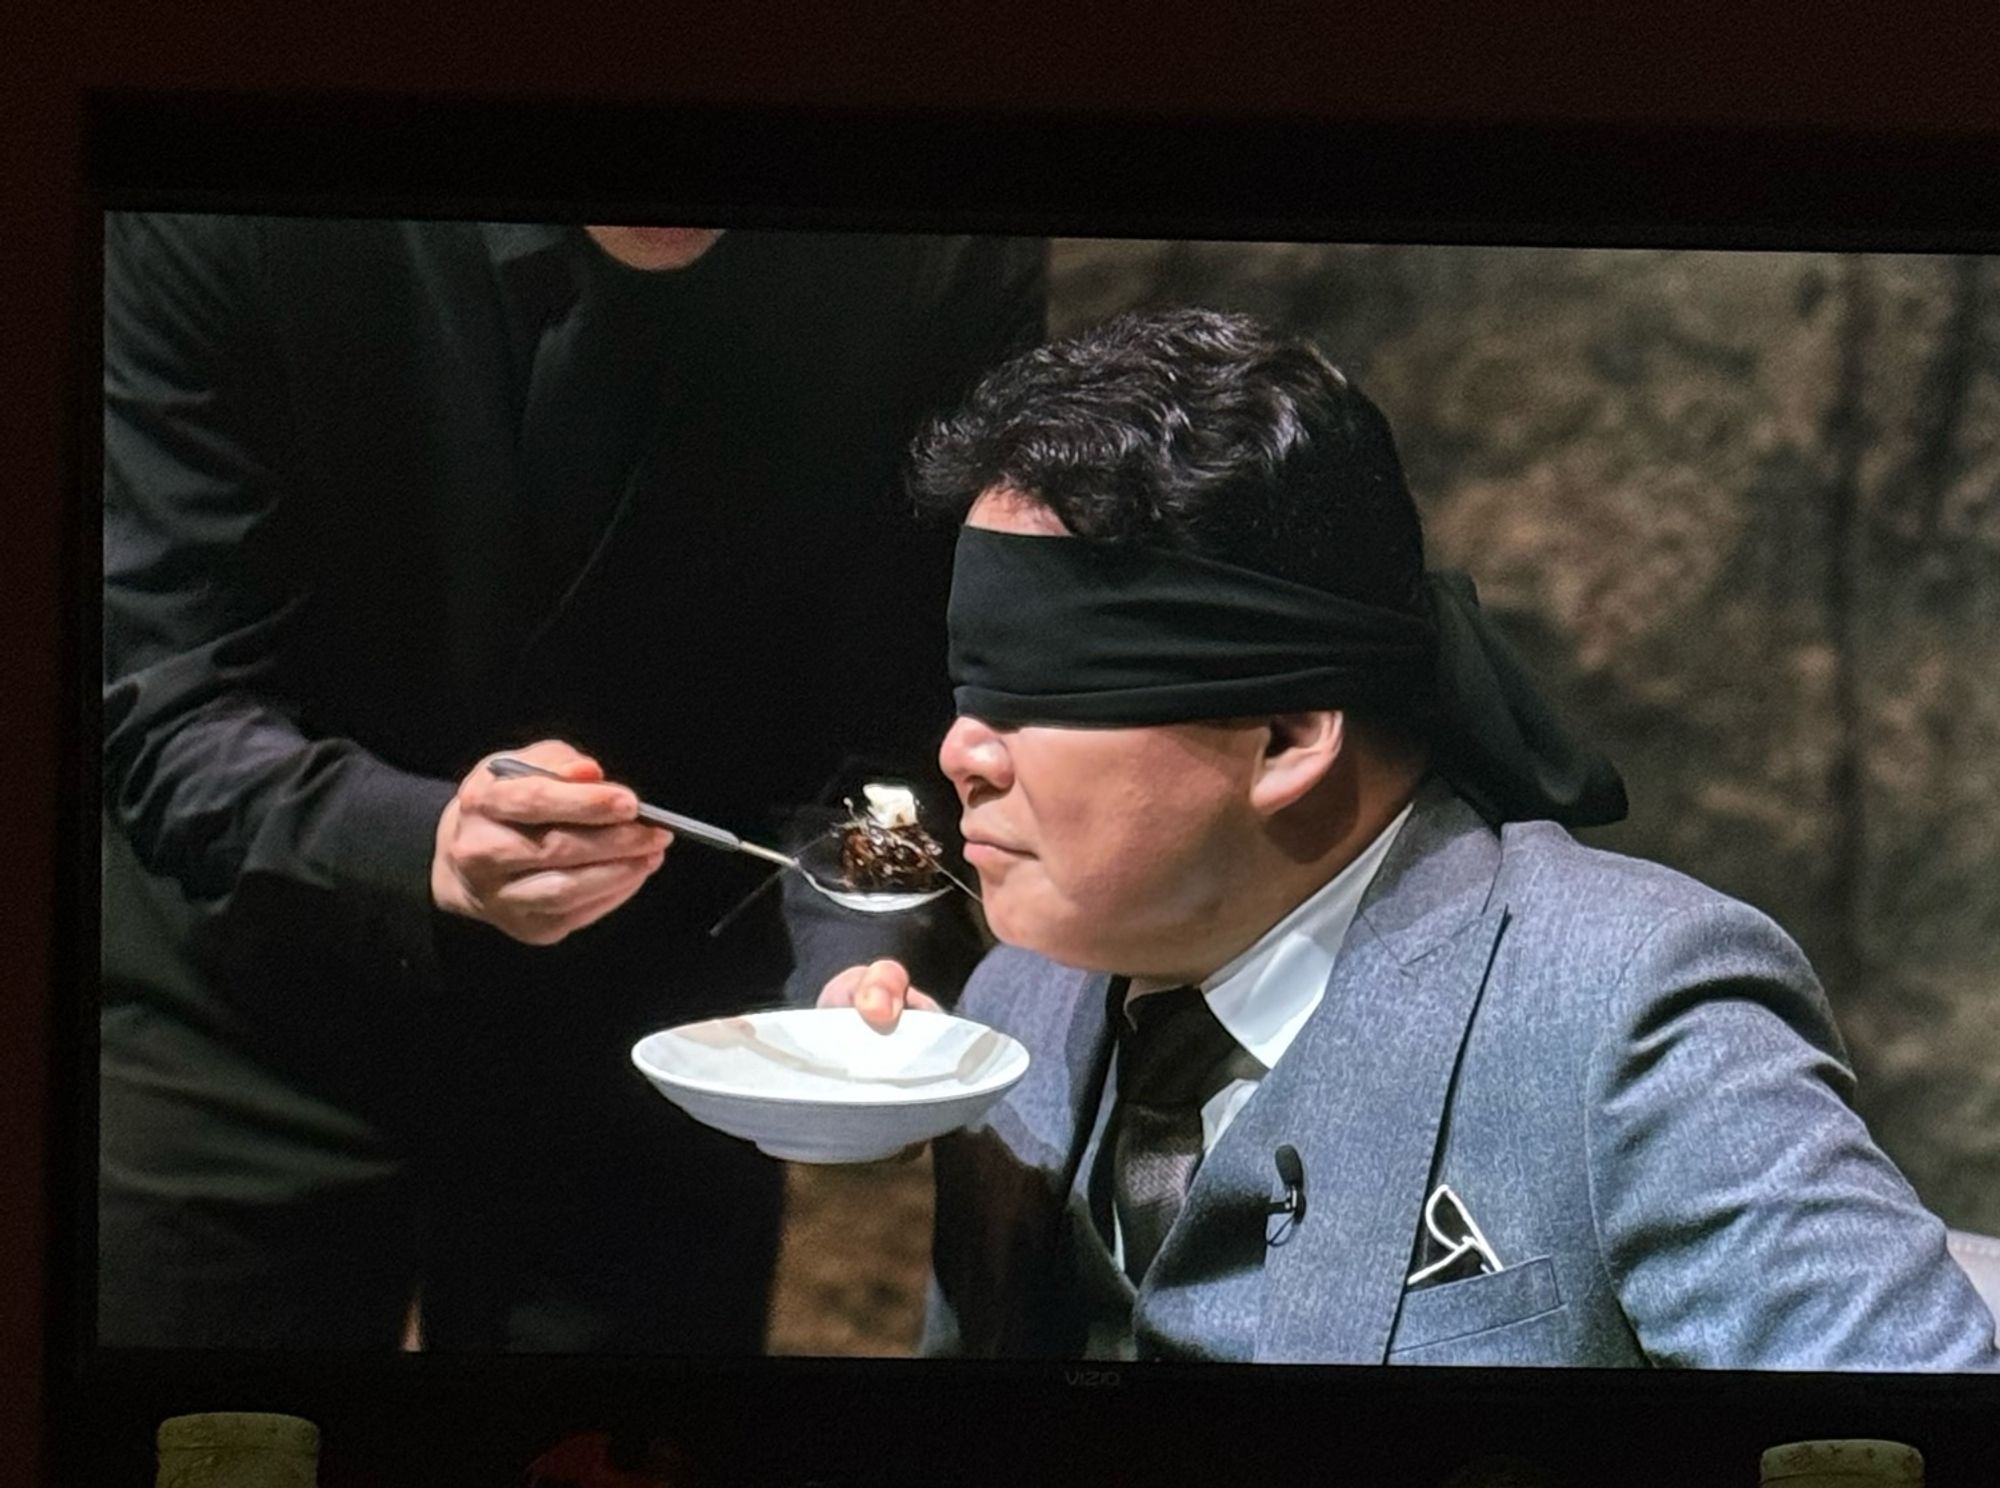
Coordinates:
381 500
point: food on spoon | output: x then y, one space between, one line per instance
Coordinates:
884 848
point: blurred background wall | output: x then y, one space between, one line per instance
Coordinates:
1742 512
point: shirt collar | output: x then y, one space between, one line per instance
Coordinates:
1265 995
511 242
539 267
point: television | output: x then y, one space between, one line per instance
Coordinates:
1707 415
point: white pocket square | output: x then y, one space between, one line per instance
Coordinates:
1451 1239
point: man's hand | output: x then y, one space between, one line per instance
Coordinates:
538 858
878 991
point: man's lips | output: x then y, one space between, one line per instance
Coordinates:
986 849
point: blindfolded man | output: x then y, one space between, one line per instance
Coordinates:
1345 1050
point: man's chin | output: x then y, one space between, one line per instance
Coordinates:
654 248
1062 943
1010 924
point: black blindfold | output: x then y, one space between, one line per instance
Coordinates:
1054 630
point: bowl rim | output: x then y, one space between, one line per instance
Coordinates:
992 1085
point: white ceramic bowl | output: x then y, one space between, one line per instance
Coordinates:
819 1085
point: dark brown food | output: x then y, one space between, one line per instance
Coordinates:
877 859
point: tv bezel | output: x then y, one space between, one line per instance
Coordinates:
1081 175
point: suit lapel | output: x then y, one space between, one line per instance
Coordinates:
1104 1293
593 416
480 509
1362 1093
1050 1115
1086 1042
1004 1185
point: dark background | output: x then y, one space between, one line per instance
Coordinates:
1909 70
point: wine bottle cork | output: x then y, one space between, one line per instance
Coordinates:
1858 1463
238 1449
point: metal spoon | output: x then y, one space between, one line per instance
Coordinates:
507 767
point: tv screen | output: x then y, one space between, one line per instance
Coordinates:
1411 790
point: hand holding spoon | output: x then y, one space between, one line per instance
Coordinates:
507 767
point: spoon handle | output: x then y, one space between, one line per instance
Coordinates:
507 767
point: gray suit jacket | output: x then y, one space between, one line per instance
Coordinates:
1633 1082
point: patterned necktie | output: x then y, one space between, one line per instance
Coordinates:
1172 1056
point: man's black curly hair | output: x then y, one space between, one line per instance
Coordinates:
1195 431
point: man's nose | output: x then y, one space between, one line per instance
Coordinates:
973 750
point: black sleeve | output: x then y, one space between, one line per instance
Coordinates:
209 773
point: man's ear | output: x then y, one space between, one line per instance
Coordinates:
1299 753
